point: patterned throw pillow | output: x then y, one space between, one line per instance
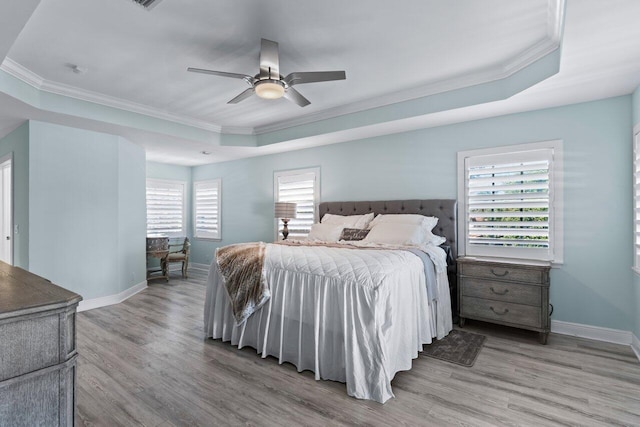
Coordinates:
350 234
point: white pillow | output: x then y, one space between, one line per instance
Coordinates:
428 221
396 234
348 221
434 239
325 233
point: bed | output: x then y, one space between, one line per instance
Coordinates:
354 316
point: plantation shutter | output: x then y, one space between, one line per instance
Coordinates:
300 188
509 204
165 208
207 209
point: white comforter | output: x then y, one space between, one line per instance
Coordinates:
352 315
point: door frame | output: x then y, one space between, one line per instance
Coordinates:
4 159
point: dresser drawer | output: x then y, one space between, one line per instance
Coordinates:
515 314
502 272
28 345
502 291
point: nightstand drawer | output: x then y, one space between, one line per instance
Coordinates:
515 314
502 291
502 272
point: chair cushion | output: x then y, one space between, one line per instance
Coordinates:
176 257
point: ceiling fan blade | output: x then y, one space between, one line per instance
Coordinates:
314 76
294 96
269 60
244 95
222 74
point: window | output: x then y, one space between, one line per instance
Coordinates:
165 208
207 209
510 201
636 198
301 186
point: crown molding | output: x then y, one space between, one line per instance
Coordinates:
238 130
552 42
22 73
527 57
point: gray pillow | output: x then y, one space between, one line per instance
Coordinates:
351 234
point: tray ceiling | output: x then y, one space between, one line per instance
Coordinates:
410 64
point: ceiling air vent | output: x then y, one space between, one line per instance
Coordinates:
147 4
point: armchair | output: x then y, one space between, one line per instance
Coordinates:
178 252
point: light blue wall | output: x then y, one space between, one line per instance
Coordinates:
636 105
593 287
636 279
82 190
17 142
132 214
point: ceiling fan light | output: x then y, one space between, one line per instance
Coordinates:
269 89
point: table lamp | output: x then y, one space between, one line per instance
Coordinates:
285 211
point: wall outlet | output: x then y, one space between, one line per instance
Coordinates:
16 229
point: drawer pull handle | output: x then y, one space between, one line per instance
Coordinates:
506 291
499 275
506 310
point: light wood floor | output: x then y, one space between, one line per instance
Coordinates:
145 362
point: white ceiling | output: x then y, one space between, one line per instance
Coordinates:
141 56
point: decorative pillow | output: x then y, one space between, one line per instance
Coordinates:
351 234
348 221
396 234
325 233
428 221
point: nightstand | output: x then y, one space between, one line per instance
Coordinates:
504 293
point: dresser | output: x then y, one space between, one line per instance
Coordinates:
504 293
37 350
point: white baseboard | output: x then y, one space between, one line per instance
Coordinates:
597 333
92 303
635 345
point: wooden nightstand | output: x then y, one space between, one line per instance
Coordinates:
507 294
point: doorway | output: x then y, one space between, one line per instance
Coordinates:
6 210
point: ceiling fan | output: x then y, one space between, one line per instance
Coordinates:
269 83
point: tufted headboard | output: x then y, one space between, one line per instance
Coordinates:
444 209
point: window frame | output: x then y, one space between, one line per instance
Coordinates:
555 254
316 192
183 185
218 182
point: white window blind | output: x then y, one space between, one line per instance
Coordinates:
207 209
636 199
165 208
509 205
301 187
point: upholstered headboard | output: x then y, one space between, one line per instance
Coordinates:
444 209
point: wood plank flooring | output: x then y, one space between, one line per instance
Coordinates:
145 362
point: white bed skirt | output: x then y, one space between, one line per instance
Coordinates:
341 331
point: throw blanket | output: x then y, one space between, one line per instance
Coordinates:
241 269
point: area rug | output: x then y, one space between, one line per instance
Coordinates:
459 347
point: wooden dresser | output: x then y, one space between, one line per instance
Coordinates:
504 293
37 350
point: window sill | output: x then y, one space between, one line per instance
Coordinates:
208 239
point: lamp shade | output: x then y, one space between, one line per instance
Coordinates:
269 89
285 210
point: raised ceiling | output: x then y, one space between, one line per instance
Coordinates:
392 52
